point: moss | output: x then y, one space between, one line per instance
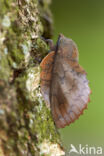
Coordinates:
44 124
23 114
20 28
4 65
37 116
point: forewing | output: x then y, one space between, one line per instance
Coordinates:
64 85
45 76
69 92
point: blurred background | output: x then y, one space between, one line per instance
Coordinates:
83 21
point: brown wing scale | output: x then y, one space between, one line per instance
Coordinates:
72 94
64 84
45 76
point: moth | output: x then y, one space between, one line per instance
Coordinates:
64 85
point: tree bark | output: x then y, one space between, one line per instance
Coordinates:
26 124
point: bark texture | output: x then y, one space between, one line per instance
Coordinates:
26 124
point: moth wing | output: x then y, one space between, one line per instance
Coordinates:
45 76
76 66
69 91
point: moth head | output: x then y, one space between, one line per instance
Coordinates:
67 47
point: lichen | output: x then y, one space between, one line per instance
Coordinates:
50 149
4 65
6 21
32 82
24 117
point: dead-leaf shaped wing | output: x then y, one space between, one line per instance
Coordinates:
45 76
63 83
69 92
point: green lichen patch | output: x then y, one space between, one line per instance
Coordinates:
39 50
24 118
20 29
28 82
44 124
4 74
38 118
6 21
32 82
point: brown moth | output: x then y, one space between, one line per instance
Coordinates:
64 85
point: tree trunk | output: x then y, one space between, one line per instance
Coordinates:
26 124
